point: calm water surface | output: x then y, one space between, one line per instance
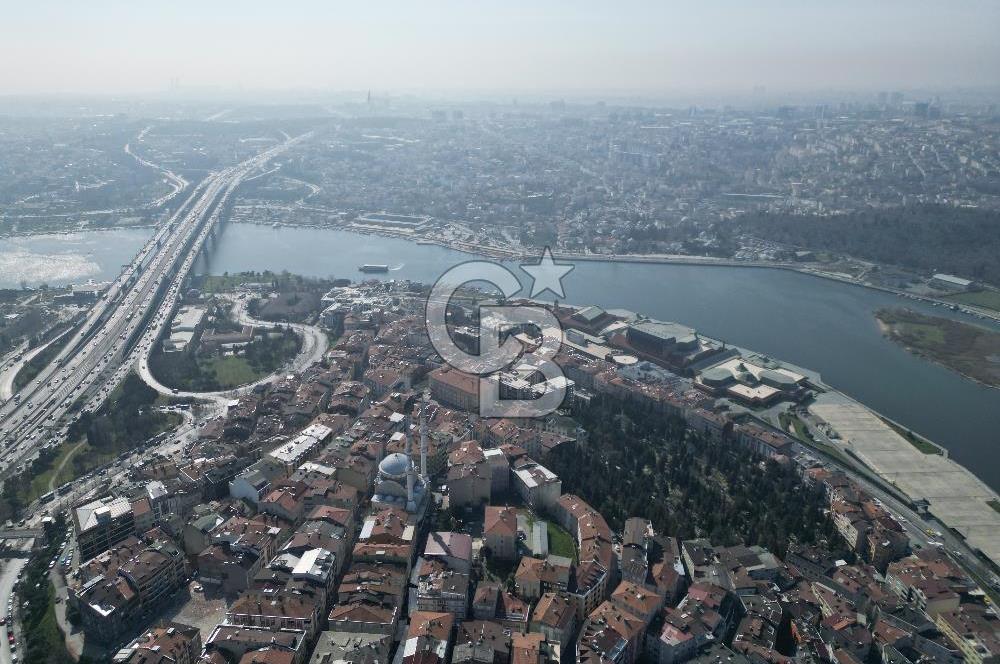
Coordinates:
61 259
813 322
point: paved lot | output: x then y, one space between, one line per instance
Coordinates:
956 496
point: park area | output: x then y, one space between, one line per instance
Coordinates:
968 349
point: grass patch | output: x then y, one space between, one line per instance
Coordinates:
924 446
795 425
970 350
221 283
231 371
277 281
290 306
832 451
987 299
35 365
995 504
208 373
921 444
126 420
30 325
922 334
63 462
561 543
46 631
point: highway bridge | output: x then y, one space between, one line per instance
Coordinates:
22 533
122 325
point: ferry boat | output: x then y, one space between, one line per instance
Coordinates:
367 267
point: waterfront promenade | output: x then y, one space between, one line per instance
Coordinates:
952 494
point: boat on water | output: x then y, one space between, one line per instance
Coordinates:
368 267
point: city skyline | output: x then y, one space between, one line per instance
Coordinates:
515 47
500 333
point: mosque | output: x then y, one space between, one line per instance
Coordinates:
398 484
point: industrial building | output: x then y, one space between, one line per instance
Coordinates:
184 329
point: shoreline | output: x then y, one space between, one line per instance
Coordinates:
857 451
502 254
478 250
77 231
889 333
472 249
878 452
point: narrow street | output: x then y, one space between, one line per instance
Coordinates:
9 570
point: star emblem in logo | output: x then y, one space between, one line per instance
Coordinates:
547 275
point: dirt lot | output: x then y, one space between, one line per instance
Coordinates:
204 609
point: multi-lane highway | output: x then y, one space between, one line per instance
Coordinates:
8 372
122 326
177 182
93 484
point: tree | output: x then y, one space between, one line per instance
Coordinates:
641 462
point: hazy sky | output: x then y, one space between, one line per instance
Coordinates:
693 45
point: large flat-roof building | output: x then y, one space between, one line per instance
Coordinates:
950 282
303 447
338 646
675 345
184 329
101 524
389 221
591 320
750 382
537 485
455 388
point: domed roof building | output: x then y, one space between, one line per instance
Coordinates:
398 484
394 466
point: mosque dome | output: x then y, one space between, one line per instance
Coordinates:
394 466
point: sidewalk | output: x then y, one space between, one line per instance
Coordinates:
72 636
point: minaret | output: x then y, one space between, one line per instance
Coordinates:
411 505
423 437
409 439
